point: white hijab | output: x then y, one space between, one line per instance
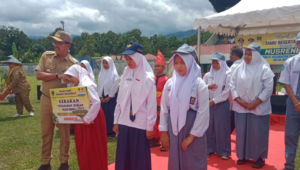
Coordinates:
107 77
218 77
136 83
89 69
81 74
181 90
250 76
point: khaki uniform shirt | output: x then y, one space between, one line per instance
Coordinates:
51 63
19 82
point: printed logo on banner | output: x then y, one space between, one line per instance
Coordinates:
276 48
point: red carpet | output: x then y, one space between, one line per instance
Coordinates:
275 159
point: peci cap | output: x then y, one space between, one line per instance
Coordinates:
241 40
218 56
254 46
13 60
186 49
298 37
61 36
132 48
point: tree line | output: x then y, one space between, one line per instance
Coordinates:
14 41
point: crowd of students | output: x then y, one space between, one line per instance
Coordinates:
188 116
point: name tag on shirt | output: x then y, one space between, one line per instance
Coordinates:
192 100
129 79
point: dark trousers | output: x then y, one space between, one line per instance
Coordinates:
292 127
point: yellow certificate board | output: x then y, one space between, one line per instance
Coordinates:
70 104
275 48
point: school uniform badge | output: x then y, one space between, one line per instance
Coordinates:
158 93
192 100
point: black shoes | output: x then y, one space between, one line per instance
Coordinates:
45 167
64 166
163 149
154 143
258 164
71 132
210 154
241 161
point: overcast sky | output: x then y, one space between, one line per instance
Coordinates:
40 17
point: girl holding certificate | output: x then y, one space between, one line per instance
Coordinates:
90 138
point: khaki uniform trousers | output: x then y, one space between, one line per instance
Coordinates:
22 99
47 130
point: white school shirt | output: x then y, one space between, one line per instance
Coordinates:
290 72
235 65
95 104
201 105
225 93
112 91
265 94
145 117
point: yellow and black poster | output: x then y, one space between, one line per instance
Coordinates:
275 48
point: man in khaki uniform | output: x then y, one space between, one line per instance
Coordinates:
50 70
19 85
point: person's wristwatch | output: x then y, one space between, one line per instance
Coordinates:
57 75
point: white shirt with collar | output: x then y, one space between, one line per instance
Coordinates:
265 94
199 102
145 117
225 92
235 65
95 104
290 72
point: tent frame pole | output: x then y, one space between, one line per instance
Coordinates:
198 43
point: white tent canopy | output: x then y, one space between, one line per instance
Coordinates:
250 17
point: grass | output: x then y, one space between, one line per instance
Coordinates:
20 139
279 87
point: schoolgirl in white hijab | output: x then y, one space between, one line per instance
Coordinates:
108 79
218 132
251 88
90 137
85 64
184 116
135 113
108 84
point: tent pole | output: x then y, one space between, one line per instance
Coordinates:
198 43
